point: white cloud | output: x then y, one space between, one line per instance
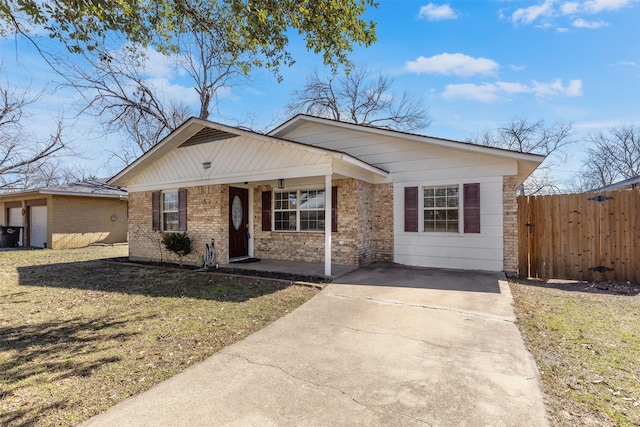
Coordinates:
485 92
625 64
517 67
574 88
592 25
570 8
434 12
453 63
172 91
551 8
555 88
501 91
158 65
562 29
529 14
596 6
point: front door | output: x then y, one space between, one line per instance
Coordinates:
238 222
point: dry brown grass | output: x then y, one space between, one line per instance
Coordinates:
79 334
586 342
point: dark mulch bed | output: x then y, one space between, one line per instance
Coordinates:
238 271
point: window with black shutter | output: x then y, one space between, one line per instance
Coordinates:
182 209
471 194
411 209
266 211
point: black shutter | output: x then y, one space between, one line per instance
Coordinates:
155 208
266 211
334 209
411 209
182 209
471 197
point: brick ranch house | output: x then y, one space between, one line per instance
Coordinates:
67 216
319 190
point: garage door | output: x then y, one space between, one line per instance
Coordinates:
38 227
15 219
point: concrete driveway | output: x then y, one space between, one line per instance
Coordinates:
388 345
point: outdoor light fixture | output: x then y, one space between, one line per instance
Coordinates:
206 165
281 183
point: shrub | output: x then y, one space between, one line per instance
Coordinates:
178 243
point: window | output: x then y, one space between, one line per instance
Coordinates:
285 210
169 210
312 210
301 210
170 213
441 209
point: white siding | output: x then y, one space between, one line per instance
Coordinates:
406 160
414 163
481 251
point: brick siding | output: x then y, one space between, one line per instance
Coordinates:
207 220
81 221
510 224
383 222
365 227
75 222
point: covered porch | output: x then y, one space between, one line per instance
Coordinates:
252 195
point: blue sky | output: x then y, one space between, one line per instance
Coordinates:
476 65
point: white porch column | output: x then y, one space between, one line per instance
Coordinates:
327 225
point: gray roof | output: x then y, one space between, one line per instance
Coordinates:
88 188
631 182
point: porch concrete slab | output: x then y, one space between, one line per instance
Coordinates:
294 267
407 349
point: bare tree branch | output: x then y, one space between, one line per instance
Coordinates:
357 98
613 156
526 136
22 156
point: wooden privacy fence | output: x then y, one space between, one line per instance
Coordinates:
587 236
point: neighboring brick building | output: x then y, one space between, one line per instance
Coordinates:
68 216
318 190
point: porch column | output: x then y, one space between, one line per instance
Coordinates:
327 225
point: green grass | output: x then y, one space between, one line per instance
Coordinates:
587 346
79 334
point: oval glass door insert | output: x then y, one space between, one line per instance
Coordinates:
236 212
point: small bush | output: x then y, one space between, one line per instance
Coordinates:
178 243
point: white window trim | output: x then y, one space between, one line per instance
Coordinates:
298 190
162 211
422 231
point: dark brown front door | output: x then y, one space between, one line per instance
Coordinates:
238 222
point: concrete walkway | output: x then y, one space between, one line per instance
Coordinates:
391 346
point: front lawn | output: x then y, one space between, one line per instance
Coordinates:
79 334
586 341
